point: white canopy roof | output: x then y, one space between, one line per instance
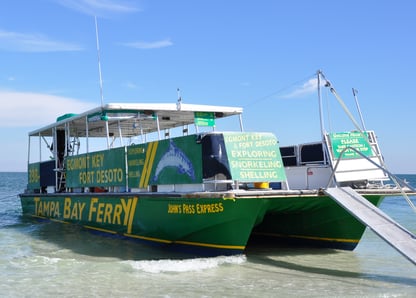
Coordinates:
133 118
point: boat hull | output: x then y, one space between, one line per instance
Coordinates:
207 225
311 221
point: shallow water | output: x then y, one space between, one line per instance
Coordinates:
41 259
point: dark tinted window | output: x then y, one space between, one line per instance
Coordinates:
214 156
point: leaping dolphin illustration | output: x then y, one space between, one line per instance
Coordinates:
175 157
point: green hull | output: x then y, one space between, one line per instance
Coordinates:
315 220
215 224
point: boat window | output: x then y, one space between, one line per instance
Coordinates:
214 156
289 156
311 153
47 173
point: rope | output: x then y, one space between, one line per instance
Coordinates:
279 91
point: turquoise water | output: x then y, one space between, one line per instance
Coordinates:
43 259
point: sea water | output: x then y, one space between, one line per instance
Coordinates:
45 259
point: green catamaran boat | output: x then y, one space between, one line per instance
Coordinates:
182 190
164 173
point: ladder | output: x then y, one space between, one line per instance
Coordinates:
380 223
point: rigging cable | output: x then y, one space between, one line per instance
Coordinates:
279 91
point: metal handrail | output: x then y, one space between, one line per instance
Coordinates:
397 181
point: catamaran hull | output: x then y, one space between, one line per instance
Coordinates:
211 225
311 221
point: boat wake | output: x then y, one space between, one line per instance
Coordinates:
185 265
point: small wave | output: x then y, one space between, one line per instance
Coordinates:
185 265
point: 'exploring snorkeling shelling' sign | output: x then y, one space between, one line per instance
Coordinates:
254 157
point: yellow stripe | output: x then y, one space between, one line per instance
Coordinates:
60 221
152 159
50 218
101 230
38 216
148 164
239 247
131 215
148 238
132 210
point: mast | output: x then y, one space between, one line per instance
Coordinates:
355 92
318 75
101 80
99 63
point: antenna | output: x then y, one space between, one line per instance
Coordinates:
179 103
101 82
99 64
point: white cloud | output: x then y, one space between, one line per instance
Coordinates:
306 88
131 85
26 109
22 42
99 7
149 45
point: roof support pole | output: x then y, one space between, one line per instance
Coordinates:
86 133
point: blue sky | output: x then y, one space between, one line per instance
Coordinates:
260 55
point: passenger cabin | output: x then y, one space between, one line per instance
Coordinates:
345 159
151 148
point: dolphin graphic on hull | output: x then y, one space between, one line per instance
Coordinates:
176 158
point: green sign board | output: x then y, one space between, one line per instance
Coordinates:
254 157
33 179
136 156
173 161
356 140
101 168
204 119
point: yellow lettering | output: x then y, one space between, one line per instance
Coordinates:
100 212
209 208
109 175
107 213
117 213
97 160
131 215
174 208
67 208
81 209
86 177
56 213
45 208
93 208
52 207
126 209
36 199
74 213
34 175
